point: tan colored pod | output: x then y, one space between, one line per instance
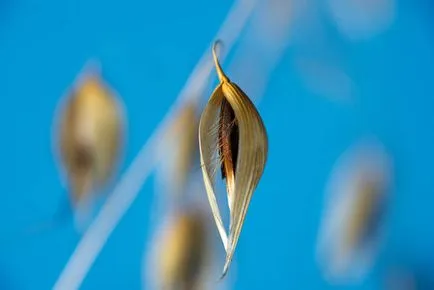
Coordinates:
231 127
368 206
353 223
182 253
90 136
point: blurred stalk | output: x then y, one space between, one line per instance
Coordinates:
130 183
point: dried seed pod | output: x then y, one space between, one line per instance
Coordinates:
182 253
353 221
90 136
231 127
367 210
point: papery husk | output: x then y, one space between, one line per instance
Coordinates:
182 253
252 156
353 223
91 128
368 206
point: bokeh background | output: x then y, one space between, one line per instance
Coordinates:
349 69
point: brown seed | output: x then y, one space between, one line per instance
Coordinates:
228 144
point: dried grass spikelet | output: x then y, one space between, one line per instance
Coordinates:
354 219
182 253
91 136
180 149
367 210
231 127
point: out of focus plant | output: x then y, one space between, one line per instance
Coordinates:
182 252
354 216
90 135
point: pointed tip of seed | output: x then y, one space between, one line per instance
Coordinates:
90 73
217 43
221 75
93 68
228 262
224 273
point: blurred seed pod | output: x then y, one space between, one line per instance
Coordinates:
231 128
90 135
354 216
362 19
179 149
181 254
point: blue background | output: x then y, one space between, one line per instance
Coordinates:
147 50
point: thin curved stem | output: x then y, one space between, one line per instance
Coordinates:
126 191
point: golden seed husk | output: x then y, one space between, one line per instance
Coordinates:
90 136
183 253
367 204
251 156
